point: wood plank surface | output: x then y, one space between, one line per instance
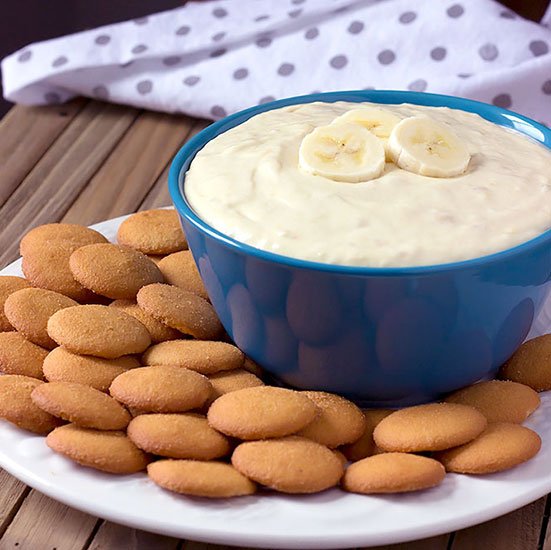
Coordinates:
433 543
111 536
12 494
545 537
89 161
519 530
27 133
158 195
53 185
134 165
44 524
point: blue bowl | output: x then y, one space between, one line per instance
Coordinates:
380 336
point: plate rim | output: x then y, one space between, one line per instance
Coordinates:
230 538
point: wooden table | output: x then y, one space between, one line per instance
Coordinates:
89 161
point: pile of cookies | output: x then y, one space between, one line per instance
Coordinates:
115 353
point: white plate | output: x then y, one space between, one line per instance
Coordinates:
333 519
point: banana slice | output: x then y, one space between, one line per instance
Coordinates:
422 145
342 152
378 121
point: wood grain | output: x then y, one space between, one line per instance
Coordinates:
545 535
27 133
56 181
519 530
433 543
89 161
111 536
132 168
12 494
44 524
158 195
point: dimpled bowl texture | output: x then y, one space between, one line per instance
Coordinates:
380 336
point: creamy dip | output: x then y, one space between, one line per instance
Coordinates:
247 184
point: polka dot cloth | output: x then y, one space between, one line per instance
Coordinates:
210 59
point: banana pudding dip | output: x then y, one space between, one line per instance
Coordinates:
373 185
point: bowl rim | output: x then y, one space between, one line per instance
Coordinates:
181 161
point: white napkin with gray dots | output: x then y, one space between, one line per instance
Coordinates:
210 59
